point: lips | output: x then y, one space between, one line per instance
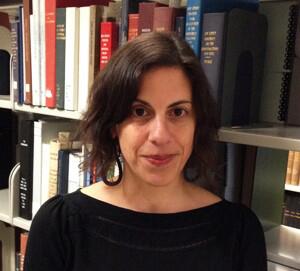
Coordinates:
159 160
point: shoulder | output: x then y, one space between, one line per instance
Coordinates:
57 211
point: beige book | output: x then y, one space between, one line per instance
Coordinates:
288 177
295 169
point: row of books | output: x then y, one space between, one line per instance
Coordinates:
291 209
209 27
293 168
50 163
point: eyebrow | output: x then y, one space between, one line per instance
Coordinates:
169 106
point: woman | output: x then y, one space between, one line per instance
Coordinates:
150 112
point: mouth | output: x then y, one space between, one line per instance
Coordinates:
159 160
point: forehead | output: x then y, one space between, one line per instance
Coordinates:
165 84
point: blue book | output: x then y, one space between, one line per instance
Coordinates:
20 59
196 9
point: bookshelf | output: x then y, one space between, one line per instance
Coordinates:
268 135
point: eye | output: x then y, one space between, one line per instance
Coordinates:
178 112
139 112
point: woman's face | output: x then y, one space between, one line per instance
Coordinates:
156 140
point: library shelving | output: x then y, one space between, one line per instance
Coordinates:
283 242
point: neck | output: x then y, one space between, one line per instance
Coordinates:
145 197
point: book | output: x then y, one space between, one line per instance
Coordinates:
35 55
27 4
234 69
108 41
76 177
295 169
20 58
26 169
62 142
180 26
89 51
44 132
15 59
164 18
146 13
291 209
128 7
63 172
23 245
288 177
60 57
133 22
196 10
277 79
50 53
71 58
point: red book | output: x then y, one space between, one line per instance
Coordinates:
146 12
133 24
108 41
50 41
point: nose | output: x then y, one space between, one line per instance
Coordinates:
159 131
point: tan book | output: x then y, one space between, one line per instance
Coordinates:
288 177
295 169
61 143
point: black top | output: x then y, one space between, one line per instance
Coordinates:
77 232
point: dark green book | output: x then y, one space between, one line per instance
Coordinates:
60 56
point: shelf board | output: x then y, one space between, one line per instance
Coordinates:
48 111
21 223
278 267
4 206
294 188
273 136
5 102
283 246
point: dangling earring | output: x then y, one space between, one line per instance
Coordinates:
117 154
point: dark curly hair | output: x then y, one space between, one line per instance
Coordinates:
116 88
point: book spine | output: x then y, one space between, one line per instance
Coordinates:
71 59
27 51
26 169
42 53
123 31
53 167
63 171
146 12
15 59
164 19
193 25
295 168
180 26
288 177
21 59
50 40
87 42
35 55
108 41
212 50
60 56
37 166
133 22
